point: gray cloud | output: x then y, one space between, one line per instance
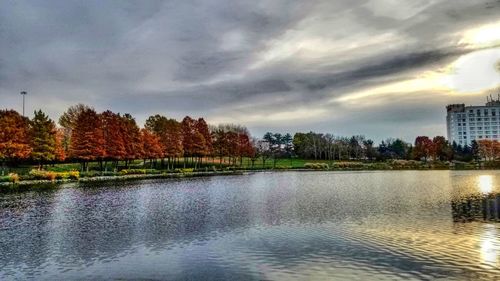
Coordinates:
254 62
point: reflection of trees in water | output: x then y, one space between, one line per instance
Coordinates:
485 207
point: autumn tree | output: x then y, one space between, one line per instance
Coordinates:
424 147
244 146
170 133
442 148
188 135
68 121
151 143
14 136
220 143
43 138
87 138
132 137
59 150
202 128
114 139
489 149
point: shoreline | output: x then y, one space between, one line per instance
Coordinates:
29 184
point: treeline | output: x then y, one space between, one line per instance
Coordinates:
318 146
110 138
87 136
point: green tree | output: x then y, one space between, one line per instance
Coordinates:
43 138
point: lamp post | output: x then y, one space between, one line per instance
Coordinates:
23 93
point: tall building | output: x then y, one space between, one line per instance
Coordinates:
467 123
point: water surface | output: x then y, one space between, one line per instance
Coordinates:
394 225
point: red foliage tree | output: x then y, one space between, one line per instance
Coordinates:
202 128
59 151
14 136
188 135
132 137
424 147
245 147
170 133
151 145
114 143
87 137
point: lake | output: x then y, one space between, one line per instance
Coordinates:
383 225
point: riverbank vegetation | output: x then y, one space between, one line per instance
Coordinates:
88 144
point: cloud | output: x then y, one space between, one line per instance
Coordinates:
331 66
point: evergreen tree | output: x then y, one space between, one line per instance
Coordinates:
43 138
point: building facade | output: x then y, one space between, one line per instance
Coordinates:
467 123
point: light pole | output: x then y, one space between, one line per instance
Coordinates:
23 93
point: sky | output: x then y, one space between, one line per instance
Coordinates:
379 68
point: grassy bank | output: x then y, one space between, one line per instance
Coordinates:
60 173
23 184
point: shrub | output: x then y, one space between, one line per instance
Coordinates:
349 165
316 166
184 170
133 171
52 176
4 179
13 177
74 175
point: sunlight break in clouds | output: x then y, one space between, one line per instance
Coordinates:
483 36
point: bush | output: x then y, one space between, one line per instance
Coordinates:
184 170
13 177
406 164
316 166
348 165
5 179
52 176
74 175
139 172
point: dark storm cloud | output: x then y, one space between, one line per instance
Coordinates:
255 62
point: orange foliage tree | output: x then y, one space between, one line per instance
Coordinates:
114 141
14 136
59 151
132 138
152 147
489 149
87 138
